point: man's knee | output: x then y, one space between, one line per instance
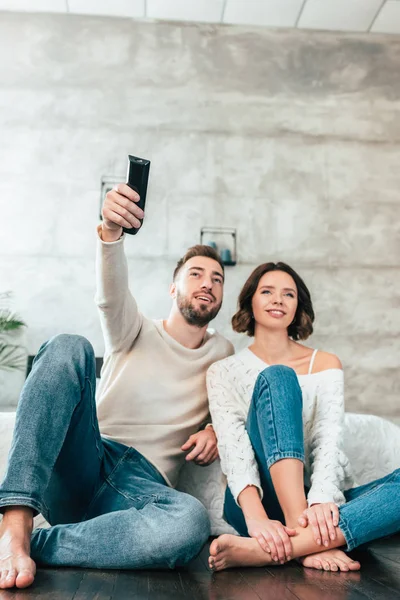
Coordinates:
192 531
67 347
70 343
174 536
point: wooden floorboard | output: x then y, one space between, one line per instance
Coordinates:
379 579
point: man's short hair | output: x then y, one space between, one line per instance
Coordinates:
198 250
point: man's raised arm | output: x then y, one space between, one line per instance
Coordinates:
119 316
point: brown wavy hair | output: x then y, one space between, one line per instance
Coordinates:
301 327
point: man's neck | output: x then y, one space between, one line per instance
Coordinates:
274 347
178 328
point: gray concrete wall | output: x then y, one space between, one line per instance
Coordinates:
292 137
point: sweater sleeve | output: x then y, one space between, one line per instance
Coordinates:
330 468
238 461
120 318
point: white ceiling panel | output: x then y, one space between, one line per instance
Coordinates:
206 11
54 6
115 8
378 16
272 13
388 20
342 15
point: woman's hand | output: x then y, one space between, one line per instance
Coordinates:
323 519
272 536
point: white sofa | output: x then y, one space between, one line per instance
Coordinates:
371 443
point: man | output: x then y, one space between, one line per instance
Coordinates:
105 480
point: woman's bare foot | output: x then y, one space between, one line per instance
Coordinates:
234 551
330 560
17 569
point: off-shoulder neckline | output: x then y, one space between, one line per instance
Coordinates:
262 362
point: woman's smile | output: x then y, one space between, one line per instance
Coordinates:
276 313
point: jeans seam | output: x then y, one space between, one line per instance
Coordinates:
271 420
92 416
97 494
16 500
134 498
344 528
106 480
287 454
370 492
352 543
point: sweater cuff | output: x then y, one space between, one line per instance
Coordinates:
318 497
243 484
118 241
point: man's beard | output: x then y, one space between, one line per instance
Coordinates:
196 316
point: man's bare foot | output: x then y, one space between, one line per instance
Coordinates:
234 551
17 569
330 560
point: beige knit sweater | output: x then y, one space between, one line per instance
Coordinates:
152 394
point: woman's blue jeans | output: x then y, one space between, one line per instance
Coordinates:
275 428
108 506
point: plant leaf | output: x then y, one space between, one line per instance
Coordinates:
12 357
9 321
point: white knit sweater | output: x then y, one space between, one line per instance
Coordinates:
230 384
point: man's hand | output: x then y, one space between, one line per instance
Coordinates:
323 519
273 537
120 209
202 446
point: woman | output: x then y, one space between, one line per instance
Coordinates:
277 409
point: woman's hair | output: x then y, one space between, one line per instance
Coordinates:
243 320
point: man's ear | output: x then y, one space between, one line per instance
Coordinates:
172 290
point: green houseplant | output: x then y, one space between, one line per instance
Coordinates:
13 354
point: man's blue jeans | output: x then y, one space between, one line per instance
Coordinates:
275 428
108 506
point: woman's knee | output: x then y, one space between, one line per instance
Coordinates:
278 372
278 383
277 376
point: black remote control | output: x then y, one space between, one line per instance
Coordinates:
137 178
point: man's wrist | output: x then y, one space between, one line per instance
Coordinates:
110 235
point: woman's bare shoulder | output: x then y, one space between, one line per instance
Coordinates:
326 360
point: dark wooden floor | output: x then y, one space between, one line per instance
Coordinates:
379 579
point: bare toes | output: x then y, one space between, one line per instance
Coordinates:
219 566
9 581
24 579
214 548
342 565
